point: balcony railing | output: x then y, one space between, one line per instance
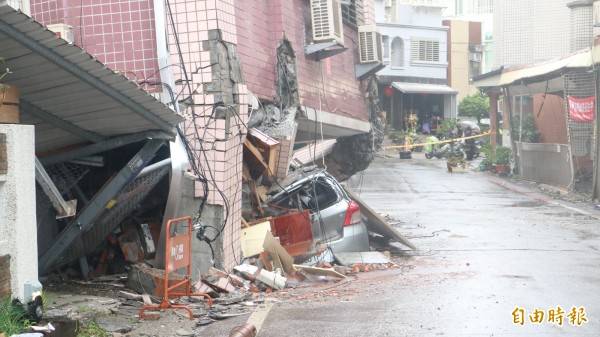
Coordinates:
426 3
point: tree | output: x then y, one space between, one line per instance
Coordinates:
476 105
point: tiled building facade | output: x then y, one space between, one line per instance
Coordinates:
218 51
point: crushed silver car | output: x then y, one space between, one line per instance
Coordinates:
335 218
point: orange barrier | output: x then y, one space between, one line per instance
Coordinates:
177 256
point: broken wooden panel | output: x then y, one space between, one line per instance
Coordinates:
294 231
252 238
255 160
377 224
319 271
280 256
268 146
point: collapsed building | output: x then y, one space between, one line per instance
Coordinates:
114 163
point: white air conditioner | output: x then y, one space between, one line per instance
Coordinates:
369 44
477 48
475 57
388 3
346 2
327 20
63 31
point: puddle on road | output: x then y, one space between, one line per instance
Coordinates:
536 203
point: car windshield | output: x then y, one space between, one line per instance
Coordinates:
314 194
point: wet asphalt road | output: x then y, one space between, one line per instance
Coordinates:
486 248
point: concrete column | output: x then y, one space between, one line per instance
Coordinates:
17 207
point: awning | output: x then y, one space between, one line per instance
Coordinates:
419 88
539 77
67 94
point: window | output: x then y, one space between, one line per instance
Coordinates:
385 41
459 7
397 52
352 14
485 6
425 50
391 10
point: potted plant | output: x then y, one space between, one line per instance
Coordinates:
490 156
455 160
503 160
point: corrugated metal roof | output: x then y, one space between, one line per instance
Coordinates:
67 94
420 88
541 77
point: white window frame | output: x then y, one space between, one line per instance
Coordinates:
425 50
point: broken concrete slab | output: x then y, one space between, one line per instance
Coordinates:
319 271
220 284
271 279
377 224
348 259
114 324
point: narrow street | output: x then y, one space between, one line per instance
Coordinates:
487 246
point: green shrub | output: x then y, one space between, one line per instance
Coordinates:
503 155
13 318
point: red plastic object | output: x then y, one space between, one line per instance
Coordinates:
177 256
294 231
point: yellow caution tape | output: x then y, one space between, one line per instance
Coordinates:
439 142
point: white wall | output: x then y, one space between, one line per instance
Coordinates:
414 22
411 68
18 228
529 31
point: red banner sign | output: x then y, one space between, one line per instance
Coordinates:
581 109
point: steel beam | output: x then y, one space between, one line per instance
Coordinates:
106 145
59 122
59 61
63 208
86 217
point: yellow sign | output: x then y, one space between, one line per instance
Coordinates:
556 316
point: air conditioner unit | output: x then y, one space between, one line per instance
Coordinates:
476 48
369 44
327 20
63 31
346 2
475 57
388 3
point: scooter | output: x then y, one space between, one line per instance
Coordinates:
435 150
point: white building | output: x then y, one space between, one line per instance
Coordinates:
414 81
529 31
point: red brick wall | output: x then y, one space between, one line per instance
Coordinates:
329 85
551 121
5 289
121 34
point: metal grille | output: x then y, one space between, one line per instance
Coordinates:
580 84
129 200
64 176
